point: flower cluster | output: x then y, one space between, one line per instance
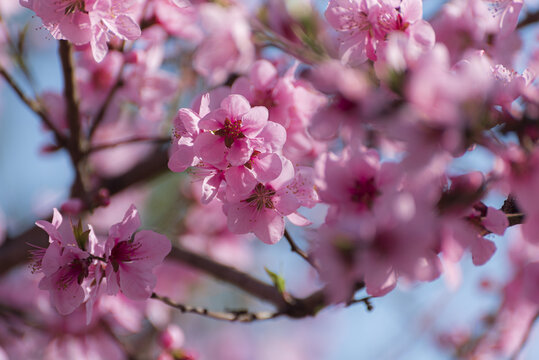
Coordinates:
76 264
236 151
87 21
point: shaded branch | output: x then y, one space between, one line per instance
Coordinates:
70 94
295 248
525 338
230 275
15 251
35 106
103 109
531 18
135 139
232 316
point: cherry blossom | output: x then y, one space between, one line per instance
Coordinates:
131 256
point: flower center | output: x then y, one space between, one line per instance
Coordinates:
71 6
261 197
364 192
230 131
76 269
124 251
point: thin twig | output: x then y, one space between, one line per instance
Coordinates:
366 300
135 139
525 338
295 248
232 316
230 275
104 107
530 18
35 106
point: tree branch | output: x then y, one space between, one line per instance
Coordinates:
103 109
232 316
70 94
531 17
230 275
295 248
135 139
14 251
35 106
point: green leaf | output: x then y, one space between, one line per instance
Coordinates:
81 236
277 280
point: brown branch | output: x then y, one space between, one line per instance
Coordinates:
230 275
295 248
232 316
135 139
530 18
525 338
35 106
104 107
70 94
14 251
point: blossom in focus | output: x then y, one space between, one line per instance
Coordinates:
131 257
87 21
262 212
65 262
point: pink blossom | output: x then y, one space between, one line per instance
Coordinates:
87 21
226 47
234 131
172 337
262 211
178 19
519 175
185 133
364 25
64 263
131 257
488 25
352 182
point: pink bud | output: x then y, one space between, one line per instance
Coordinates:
172 337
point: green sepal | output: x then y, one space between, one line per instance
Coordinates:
81 236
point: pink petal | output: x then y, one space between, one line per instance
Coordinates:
127 227
285 201
99 45
126 27
211 149
412 10
287 174
154 247
240 182
235 105
182 158
380 280
273 136
136 283
186 122
263 75
239 153
241 217
214 120
267 167
254 120
269 227
210 187
496 221
298 219
482 250
113 285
